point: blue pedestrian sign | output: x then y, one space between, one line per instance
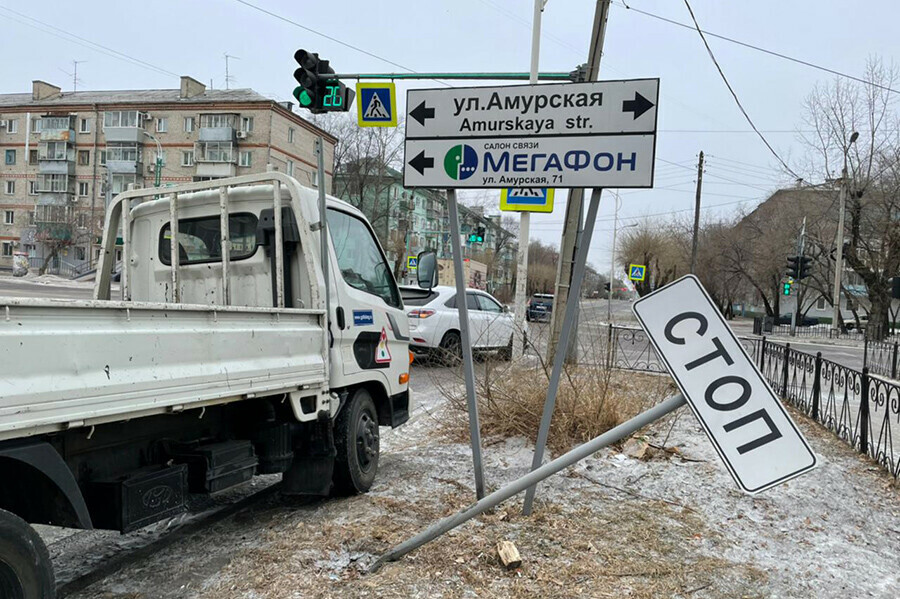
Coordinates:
526 200
377 104
637 272
412 262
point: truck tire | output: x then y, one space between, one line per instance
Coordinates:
451 349
25 568
357 443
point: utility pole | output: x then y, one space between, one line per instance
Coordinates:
575 200
694 242
525 217
839 254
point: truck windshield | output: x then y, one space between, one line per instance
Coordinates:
360 259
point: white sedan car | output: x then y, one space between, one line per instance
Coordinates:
434 322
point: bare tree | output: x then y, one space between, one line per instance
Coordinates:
834 112
57 230
655 246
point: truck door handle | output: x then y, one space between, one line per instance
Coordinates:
340 318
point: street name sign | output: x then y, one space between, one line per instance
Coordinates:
637 272
526 200
594 134
377 104
749 428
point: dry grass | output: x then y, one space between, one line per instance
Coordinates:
591 400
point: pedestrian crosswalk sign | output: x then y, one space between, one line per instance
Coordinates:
376 105
412 262
526 200
637 272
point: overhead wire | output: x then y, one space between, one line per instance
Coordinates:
733 93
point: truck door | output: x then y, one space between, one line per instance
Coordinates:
375 332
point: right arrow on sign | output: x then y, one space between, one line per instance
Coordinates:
421 113
638 106
421 162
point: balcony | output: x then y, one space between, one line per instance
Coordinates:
216 169
217 134
124 134
58 128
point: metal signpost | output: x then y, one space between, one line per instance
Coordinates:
750 429
554 135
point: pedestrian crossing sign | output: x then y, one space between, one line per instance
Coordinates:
526 200
377 104
637 272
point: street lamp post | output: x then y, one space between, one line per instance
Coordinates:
612 262
839 254
158 169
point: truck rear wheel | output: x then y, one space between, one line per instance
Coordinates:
357 441
25 568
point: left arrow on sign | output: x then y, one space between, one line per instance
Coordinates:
421 113
421 162
638 106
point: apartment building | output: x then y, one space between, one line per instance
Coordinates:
64 156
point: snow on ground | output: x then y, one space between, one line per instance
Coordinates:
673 525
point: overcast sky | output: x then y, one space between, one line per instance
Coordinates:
696 111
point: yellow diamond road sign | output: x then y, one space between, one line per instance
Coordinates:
376 104
526 200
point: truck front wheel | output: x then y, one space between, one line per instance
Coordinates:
357 444
25 568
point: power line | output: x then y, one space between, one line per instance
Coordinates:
733 93
87 43
805 63
330 38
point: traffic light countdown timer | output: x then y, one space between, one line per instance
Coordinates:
317 92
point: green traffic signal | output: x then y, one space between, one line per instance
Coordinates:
302 96
787 289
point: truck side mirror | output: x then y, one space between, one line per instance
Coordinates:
426 270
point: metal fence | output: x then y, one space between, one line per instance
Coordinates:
860 408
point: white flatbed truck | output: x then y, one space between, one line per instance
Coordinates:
231 353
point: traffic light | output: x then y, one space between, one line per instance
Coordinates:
798 267
606 286
477 236
318 92
787 289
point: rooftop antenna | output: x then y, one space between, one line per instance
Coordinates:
228 77
74 74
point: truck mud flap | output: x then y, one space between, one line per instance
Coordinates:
314 453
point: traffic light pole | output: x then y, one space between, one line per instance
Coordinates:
549 76
800 274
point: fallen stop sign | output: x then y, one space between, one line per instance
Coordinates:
750 429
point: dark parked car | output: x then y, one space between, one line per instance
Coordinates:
539 307
807 321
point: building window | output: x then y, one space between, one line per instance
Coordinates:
30 249
36 125
120 118
32 156
290 168
244 159
10 187
53 183
290 135
820 303
217 120
84 125
12 126
247 123
82 220
189 124
9 217
10 157
119 183
32 188
162 125
102 157
7 249
187 158
83 190
84 157
79 253
215 151
53 150
128 152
